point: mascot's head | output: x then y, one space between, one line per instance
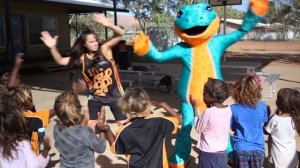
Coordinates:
196 23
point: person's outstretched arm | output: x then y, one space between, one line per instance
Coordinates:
51 42
169 110
118 33
13 81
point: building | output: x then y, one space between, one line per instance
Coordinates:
30 17
255 34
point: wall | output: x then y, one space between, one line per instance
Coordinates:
267 46
36 9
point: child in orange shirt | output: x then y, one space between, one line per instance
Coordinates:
35 120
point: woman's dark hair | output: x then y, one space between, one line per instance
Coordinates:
246 91
13 127
217 90
288 101
78 48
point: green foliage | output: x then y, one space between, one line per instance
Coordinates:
284 16
151 11
230 12
82 22
162 12
159 14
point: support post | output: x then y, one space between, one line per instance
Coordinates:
115 12
224 23
7 8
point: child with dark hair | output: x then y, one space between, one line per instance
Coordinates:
4 95
21 96
249 114
75 143
15 149
142 137
282 128
11 80
36 121
214 125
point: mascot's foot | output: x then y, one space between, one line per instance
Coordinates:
179 165
181 152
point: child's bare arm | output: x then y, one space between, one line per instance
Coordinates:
47 147
51 113
169 110
194 105
15 72
105 131
269 142
85 118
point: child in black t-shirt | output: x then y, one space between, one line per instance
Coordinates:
142 137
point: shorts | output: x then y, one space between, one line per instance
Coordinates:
210 160
95 108
251 158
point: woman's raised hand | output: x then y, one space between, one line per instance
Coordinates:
100 18
49 41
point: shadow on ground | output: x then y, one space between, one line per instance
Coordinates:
52 163
105 161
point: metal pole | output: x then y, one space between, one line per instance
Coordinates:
224 24
115 12
76 25
106 31
8 34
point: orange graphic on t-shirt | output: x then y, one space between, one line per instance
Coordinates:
101 82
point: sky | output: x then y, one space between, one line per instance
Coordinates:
243 7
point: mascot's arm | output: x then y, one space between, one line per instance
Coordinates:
258 9
143 47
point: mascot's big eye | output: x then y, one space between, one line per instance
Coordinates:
208 8
180 13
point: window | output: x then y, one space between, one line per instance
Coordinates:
37 24
2 37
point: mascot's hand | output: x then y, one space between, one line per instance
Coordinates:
259 7
141 44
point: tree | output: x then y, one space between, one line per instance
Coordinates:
230 12
78 23
284 17
154 12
